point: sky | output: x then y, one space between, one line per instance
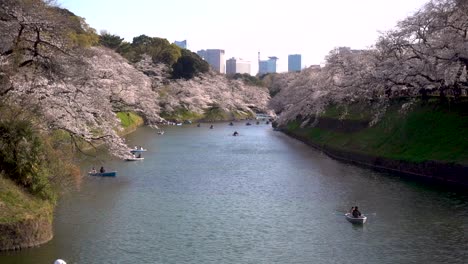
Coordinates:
245 27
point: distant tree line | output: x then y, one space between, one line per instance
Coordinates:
247 79
184 63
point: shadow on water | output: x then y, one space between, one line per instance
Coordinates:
328 167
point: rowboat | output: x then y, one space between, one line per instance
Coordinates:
103 174
134 159
138 150
359 220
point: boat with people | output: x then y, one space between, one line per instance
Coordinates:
134 159
356 220
135 156
161 132
103 174
138 149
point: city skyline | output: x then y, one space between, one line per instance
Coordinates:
244 28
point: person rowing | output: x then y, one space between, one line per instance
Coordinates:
356 213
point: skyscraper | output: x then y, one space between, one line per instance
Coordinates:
267 66
294 63
234 66
182 44
214 57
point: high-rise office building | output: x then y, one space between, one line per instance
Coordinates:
234 66
214 57
294 63
182 44
267 66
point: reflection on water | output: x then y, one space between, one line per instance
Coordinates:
204 196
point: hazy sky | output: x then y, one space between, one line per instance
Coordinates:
244 27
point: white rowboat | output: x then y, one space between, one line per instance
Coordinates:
134 159
138 150
360 220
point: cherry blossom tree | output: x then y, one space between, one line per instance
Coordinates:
74 88
427 52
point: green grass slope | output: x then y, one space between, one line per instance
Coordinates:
130 121
430 131
17 205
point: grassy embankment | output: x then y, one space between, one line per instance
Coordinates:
17 205
431 131
130 121
181 114
25 220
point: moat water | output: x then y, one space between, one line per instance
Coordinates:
204 196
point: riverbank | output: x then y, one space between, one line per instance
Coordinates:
130 122
429 141
25 220
214 114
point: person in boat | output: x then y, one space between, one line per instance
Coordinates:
93 170
140 147
356 212
102 170
231 124
139 155
198 125
235 133
211 127
351 211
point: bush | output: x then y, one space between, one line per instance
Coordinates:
188 65
38 160
23 157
